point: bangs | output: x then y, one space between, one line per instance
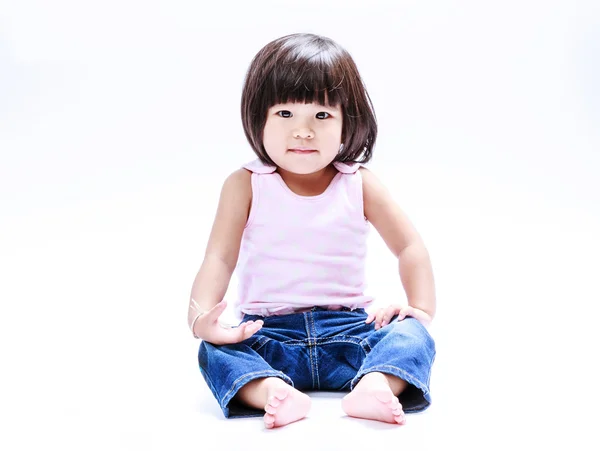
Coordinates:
308 80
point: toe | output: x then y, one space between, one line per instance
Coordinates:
270 409
269 420
280 393
399 418
273 401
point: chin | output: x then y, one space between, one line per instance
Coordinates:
302 164
303 167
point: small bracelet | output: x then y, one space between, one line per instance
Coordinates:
194 322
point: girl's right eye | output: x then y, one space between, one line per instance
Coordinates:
284 112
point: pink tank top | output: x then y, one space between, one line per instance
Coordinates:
298 252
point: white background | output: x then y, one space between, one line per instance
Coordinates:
119 121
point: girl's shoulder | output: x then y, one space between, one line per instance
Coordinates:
238 181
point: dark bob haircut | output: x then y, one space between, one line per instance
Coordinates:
305 68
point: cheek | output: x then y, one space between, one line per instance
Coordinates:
335 131
271 134
335 136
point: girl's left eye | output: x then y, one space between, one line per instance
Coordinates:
323 112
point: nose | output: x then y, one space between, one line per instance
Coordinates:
304 133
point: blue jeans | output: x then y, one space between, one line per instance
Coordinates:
321 350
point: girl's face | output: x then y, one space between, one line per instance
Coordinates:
303 138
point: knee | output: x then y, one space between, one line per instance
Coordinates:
414 335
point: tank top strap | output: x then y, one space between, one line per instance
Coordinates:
347 168
258 167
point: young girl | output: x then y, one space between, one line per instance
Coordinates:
294 224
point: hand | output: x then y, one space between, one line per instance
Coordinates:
383 316
208 328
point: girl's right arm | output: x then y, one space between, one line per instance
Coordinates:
222 250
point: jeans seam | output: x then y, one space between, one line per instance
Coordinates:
324 341
310 348
312 319
306 343
430 365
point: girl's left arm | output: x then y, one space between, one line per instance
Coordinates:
403 240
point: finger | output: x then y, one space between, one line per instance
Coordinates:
388 315
370 318
402 314
244 326
407 310
378 318
250 329
385 316
241 331
232 335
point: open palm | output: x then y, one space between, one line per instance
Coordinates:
209 329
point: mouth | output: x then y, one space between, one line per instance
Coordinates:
302 150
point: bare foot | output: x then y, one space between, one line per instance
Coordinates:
373 399
284 406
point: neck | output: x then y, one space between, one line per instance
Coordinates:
309 184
